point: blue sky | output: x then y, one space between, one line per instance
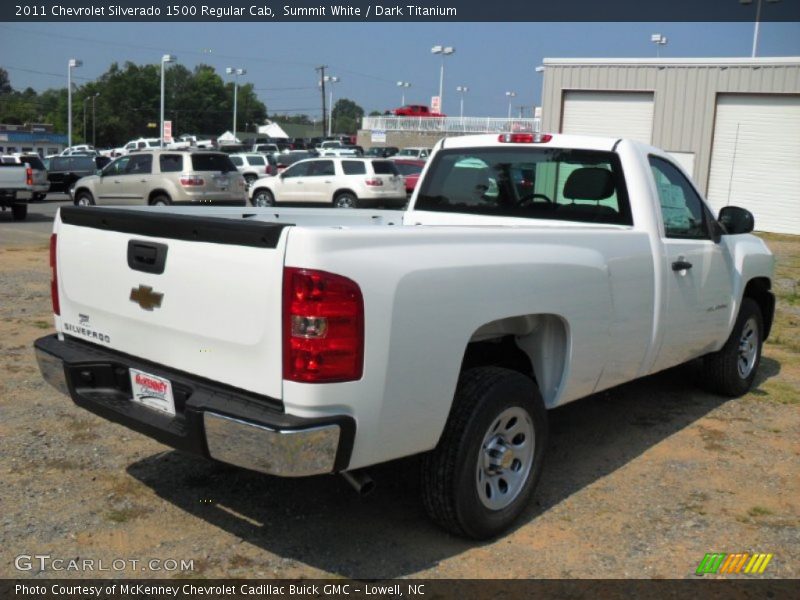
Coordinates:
369 58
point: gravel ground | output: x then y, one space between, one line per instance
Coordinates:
640 481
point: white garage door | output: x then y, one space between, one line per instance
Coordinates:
755 159
611 114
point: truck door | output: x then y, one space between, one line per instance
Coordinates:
699 281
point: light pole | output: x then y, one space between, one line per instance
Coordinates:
510 96
94 119
235 72
167 58
85 100
330 79
404 85
444 51
72 64
659 40
463 90
758 20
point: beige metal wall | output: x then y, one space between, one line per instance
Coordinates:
684 94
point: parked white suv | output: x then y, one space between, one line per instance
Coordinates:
412 153
342 182
252 166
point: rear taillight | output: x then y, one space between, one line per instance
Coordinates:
29 175
191 180
375 181
524 138
54 275
323 327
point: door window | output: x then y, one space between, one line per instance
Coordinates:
299 170
117 167
322 168
140 164
681 207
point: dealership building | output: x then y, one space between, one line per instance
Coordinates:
733 124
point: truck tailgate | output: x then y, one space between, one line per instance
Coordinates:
212 309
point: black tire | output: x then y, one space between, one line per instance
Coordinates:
250 179
345 200
84 198
731 370
263 197
161 200
452 476
19 211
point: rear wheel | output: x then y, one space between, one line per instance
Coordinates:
346 200
84 199
731 370
19 211
263 197
483 472
161 200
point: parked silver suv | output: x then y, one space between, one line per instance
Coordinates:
164 177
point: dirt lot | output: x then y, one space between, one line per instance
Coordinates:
640 481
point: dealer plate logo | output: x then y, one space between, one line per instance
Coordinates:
145 297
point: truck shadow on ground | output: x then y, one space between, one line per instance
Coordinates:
32 217
320 521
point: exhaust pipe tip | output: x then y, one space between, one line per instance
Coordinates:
362 483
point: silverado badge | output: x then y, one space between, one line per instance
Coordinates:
146 298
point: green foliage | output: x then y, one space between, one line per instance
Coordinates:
347 116
129 100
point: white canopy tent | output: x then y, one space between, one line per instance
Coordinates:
273 130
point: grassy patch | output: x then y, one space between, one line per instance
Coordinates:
759 511
123 515
781 392
238 561
81 430
42 324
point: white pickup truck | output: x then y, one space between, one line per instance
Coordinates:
528 271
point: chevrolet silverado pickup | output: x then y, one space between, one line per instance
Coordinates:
19 183
528 271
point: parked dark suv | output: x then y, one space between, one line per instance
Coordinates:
64 171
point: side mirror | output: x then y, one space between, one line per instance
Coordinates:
736 220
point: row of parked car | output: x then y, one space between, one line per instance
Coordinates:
334 173
200 176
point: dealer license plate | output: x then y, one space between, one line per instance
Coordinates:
152 391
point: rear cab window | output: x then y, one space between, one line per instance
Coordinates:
34 162
536 183
212 162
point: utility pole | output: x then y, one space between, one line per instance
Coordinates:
321 70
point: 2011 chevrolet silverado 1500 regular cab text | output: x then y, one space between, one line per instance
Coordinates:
528 271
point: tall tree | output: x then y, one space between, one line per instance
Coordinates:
347 116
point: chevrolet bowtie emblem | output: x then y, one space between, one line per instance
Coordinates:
146 298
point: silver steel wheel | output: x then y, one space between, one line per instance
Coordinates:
345 201
83 200
263 198
748 348
505 458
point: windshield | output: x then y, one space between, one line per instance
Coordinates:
534 183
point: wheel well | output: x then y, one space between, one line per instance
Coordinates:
155 193
262 189
759 290
83 189
338 193
534 345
